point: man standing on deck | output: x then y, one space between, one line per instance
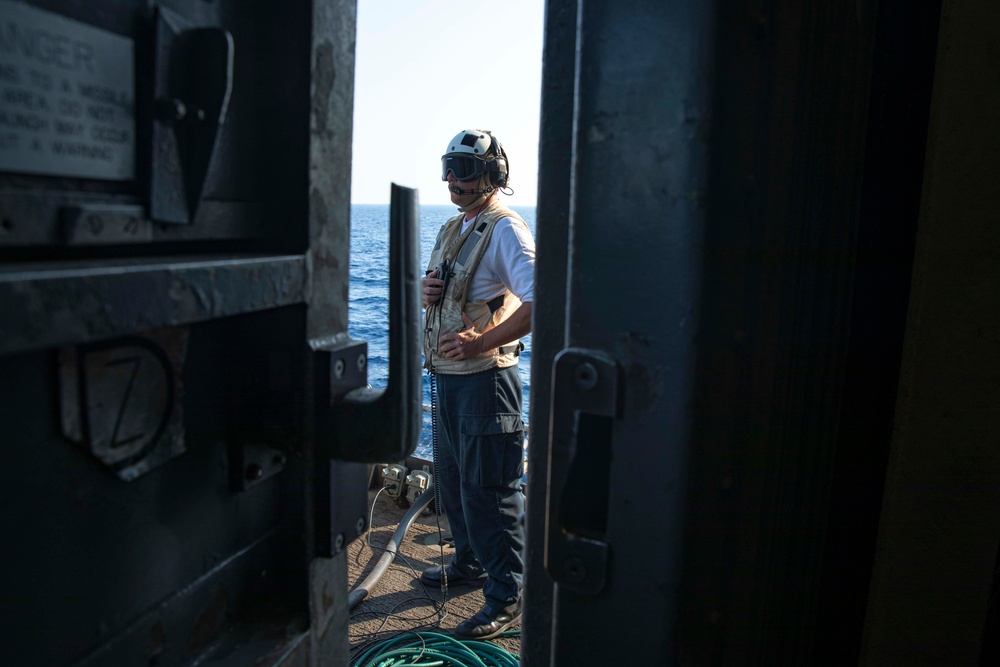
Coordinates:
477 294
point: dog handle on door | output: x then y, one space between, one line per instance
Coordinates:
585 389
378 425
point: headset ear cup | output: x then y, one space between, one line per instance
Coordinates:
497 167
501 173
493 165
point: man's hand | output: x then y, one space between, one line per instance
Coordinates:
431 290
467 344
464 344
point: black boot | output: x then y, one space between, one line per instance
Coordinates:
456 576
490 622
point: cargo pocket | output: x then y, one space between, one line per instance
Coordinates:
494 448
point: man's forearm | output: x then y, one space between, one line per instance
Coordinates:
511 329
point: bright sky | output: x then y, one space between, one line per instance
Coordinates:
428 69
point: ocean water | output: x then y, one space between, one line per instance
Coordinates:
368 308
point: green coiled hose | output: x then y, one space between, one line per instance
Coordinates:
435 649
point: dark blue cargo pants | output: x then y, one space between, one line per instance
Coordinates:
480 461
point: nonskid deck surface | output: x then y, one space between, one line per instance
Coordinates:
399 602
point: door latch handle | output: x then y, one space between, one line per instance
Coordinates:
585 389
377 425
192 84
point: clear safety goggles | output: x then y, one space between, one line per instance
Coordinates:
463 167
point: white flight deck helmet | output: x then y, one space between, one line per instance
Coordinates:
474 153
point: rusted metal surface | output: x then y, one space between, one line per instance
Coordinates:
739 242
206 557
61 304
326 140
329 148
637 180
555 155
62 220
130 567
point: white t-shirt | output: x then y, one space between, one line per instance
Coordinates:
509 262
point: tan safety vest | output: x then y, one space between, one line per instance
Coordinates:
463 253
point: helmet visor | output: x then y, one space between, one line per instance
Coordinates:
464 168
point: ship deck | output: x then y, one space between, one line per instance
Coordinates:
399 602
